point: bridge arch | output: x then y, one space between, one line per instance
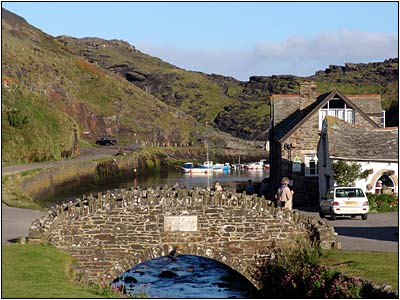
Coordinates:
222 256
110 233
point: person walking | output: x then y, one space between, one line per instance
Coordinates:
284 195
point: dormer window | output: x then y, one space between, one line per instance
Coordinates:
336 107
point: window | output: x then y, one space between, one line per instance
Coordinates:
347 193
311 163
337 108
383 119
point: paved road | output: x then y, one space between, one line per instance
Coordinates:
15 222
378 233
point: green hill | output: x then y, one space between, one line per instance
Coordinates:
49 90
109 88
236 107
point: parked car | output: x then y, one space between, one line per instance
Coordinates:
345 201
105 141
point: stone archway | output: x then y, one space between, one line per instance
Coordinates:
246 268
390 173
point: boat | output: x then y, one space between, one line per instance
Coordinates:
238 166
216 167
192 168
255 166
258 166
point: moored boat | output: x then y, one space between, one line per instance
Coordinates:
190 168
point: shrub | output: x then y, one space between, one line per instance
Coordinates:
382 203
297 274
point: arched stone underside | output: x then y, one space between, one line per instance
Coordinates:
110 233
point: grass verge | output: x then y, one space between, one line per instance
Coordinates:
33 271
376 267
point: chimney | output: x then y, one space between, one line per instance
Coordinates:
308 94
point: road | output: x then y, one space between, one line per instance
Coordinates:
380 232
87 153
15 222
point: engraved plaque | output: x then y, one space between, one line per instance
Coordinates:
180 223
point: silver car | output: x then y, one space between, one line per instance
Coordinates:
347 201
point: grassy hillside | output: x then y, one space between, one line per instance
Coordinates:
31 129
207 98
238 108
51 85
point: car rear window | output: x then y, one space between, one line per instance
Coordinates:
346 193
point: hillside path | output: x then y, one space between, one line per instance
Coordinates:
87 153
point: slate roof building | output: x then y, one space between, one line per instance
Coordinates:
296 124
375 150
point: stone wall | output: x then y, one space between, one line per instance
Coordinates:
306 138
109 233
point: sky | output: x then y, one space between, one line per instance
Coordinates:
238 39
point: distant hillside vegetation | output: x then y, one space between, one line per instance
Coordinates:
236 107
110 88
55 89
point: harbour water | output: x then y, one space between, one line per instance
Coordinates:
234 178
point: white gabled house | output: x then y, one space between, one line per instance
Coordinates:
375 150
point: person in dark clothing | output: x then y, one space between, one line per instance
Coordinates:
263 189
249 188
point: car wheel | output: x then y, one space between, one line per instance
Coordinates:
353 216
321 214
364 216
333 216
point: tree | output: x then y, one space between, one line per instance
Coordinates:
347 173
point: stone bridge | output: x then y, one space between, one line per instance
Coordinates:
109 233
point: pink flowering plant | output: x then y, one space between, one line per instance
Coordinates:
298 274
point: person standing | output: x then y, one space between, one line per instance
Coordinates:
284 195
218 187
263 189
249 188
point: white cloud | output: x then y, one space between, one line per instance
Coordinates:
296 55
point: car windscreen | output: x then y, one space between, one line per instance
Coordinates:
347 193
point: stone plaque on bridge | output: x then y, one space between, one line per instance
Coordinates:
180 223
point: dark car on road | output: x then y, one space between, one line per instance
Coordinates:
105 141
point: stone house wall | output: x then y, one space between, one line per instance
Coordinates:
306 139
109 233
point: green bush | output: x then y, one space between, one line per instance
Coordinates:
382 203
298 274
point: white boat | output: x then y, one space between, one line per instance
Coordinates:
255 166
216 166
191 168
238 166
